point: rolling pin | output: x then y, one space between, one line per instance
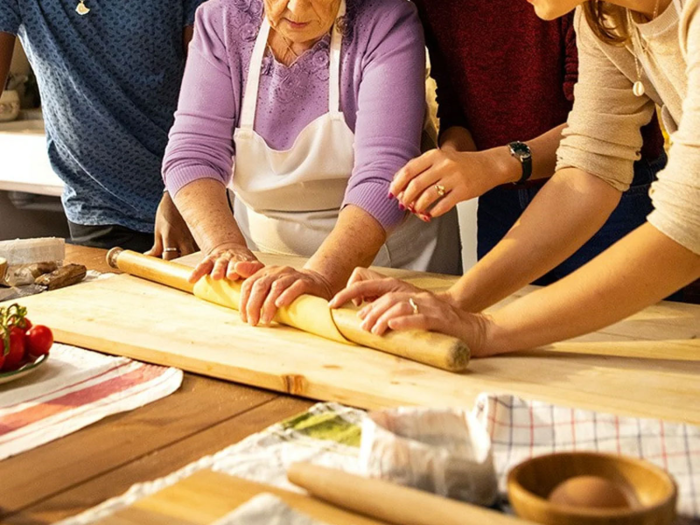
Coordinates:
308 313
388 502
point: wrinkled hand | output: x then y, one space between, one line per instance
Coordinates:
432 312
232 261
273 287
366 285
171 231
463 175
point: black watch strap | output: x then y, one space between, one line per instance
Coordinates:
522 152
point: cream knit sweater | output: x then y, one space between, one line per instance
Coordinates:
603 136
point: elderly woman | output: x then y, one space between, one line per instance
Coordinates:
308 108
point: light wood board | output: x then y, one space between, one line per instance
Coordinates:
648 365
207 496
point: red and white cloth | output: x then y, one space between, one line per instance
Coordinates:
522 429
73 389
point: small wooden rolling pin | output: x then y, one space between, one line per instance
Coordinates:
434 349
389 502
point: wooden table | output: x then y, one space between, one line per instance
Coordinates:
103 460
83 469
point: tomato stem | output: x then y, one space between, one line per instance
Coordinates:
13 315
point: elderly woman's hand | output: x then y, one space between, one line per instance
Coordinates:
232 261
273 287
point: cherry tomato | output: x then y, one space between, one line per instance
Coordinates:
27 324
17 347
39 340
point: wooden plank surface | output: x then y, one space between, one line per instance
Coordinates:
103 460
648 365
208 496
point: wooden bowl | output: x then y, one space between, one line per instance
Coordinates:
531 483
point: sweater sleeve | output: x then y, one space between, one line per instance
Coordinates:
603 136
201 139
676 194
391 107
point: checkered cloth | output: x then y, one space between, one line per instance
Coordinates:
522 429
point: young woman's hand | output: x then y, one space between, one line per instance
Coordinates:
366 285
433 184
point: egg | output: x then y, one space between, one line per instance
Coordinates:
592 492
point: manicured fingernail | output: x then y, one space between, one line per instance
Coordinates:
412 209
375 330
402 207
425 218
390 196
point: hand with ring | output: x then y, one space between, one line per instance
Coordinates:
229 260
172 237
273 287
366 285
427 311
433 184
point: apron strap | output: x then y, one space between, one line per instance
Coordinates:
334 79
250 97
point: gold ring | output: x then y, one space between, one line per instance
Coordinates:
440 190
413 305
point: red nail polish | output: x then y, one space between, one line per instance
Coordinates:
412 209
390 196
402 207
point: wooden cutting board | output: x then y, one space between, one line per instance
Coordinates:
207 496
648 365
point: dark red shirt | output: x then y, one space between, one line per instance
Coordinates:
503 73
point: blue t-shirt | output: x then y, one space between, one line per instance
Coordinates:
109 83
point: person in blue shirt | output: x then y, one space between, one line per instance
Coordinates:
109 75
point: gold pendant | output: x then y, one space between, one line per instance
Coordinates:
82 9
638 89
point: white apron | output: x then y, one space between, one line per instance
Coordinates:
287 202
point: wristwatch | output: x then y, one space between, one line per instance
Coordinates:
523 153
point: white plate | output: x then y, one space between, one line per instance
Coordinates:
6 377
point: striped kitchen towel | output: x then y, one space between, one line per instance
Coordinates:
73 389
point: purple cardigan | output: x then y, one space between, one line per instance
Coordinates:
382 96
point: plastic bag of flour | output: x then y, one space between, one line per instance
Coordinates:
443 451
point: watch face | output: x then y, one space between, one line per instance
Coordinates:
520 150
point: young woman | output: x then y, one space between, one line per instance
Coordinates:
633 54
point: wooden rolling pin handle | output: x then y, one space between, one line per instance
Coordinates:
386 501
151 268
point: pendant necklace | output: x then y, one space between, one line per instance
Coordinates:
82 9
638 88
